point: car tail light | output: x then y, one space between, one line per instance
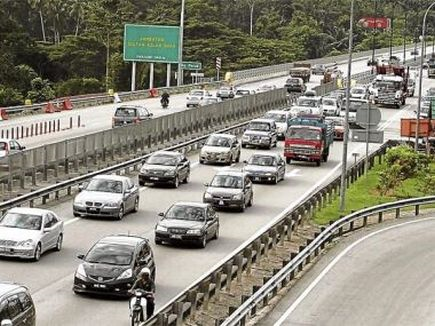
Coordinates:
136 120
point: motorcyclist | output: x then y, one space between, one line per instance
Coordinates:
165 98
145 283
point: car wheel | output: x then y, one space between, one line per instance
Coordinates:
121 213
243 206
59 242
186 179
136 205
37 254
201 161
238 158
176 182
76 215
288 160
158 242
230 160
276 178
318 163
216 234
141 183
243 145
203 241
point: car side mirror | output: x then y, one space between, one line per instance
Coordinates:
206 184
81 256
245 161
22 147
81 187
161 214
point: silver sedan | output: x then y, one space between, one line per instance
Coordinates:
267 167
29 232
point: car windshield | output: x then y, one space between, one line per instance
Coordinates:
262 160
3 146
227 181
21 221
125 112
303 133
293 81
353 106
105 185
162 159
218 141
328 102
307 102
186 212
278 117
242 92
262 126
225 89
112 254
196 93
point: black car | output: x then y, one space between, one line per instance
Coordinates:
318 69
16 305
260 133
265 167
112 265
229 189
165 167
129 114
294 84
188 222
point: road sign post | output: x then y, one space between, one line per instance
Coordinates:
218 67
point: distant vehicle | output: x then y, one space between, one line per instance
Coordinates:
112 265
360 92
244 92
209 100
265 88
225 92
107 196
220 148
129 114
165 167
297 110
229 189
280 117
10 146
308 139
29 232
390 90
318 69
415 52
431 69
16 305
330 106
310 101
425 105
338 124
265 167
295 85
195 96
411 87
188 222
354 104
310 93
301 70
260 133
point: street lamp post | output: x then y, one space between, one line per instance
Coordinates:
420 86
346 116
180 47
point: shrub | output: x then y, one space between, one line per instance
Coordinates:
10 96
41 90
76 86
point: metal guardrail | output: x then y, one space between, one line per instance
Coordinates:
241 260
286 274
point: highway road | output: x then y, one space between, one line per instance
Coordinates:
381 277
50 280
99 118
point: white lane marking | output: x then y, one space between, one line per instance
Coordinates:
75 219
293 173
325 271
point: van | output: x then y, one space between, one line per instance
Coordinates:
130 114
16 305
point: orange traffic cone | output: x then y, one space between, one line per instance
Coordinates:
3 114
49 108
67 104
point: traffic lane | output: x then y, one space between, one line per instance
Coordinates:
382 277
58 270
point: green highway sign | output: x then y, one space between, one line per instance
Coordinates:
188 65
151 43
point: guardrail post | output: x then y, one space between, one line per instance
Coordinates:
218 284
205 289
179 306
351 225
248 255
365 221
192 297
380 217
257 247
23 170
229 274
417 210
289 223
10 176
281 231
265 240
162 319
397 212
239 263
45 164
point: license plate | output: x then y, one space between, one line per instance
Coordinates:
257 178
154 178
221 202
100 286
176 236
92 209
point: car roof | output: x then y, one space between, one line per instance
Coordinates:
29 210
168 153
192 203
263 120
123 239
266 154
111 177
277 111
232 173
129 106
229 136
7 287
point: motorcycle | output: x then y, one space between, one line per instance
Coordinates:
165 103
138 306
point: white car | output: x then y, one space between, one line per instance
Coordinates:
10 146
243 92
265 88
281 118
210 100
195 96
330 106
220 148
360 92
29 232
297 110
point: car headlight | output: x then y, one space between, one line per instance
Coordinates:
125 274
208 195
26 243
170 173
113 204
238 196
246 137
79 203
161 228
265 138
144 170
80 273
187 98
268 174
195 231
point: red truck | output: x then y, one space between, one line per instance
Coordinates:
308 138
